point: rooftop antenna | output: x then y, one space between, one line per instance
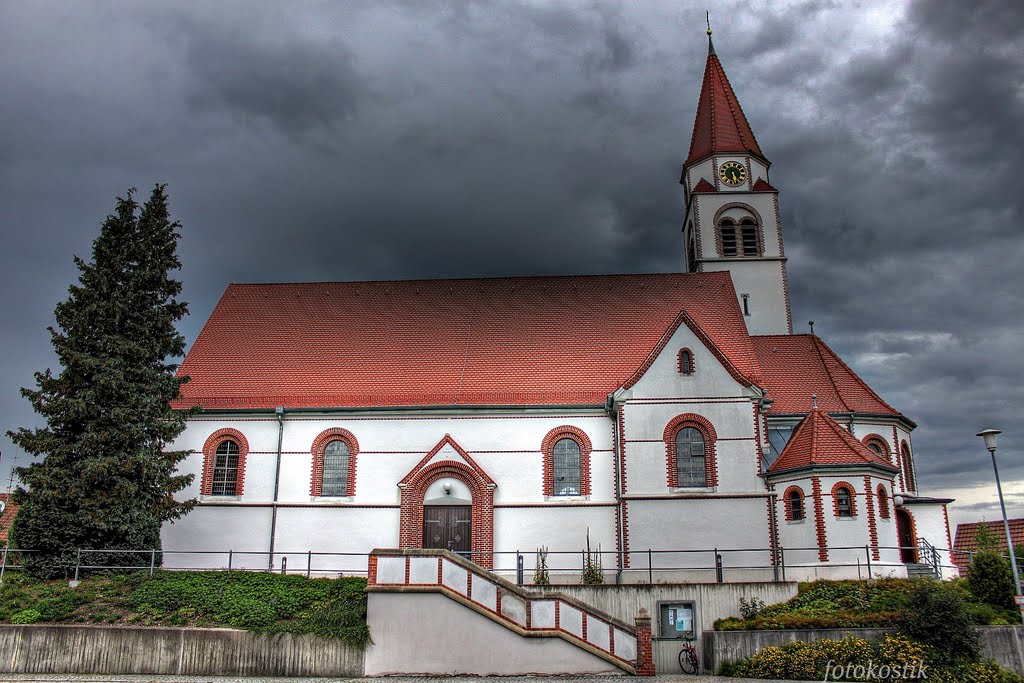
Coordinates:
814 401
711 46
811 323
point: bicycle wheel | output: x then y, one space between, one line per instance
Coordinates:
688 661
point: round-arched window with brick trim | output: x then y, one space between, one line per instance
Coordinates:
909 479
690 458
334 453
335 475
566 452
877 444
842 496
685 362
883 502
225 469
794 504
566 461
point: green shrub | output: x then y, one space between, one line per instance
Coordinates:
26 616
938 617
990 579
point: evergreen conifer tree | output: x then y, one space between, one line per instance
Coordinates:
104 480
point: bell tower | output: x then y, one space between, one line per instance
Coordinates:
732 210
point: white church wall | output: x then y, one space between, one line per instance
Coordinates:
930 524
562 528
241 528
698 523
762 282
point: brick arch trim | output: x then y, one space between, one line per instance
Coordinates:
853 498
907 467
753 213
316 482
547 448
880 442
414 490
884 500
703 425
788 506
210 457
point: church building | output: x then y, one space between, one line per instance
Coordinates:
674 420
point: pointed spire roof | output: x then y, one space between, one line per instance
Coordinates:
820 441
720 125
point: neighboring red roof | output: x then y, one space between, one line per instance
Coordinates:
762 185
820 441
795 366
7 518
967 539
720 125
499 341
704 186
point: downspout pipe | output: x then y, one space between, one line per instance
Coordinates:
613 406
279 411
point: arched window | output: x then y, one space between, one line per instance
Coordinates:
727 232
566 457
794 504
225 469
335 476
690 464
749 237
843 497
685 362
566 453
877 444
224 457
334 454
883 502
909 480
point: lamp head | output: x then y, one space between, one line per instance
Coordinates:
897 501
989 435
447 486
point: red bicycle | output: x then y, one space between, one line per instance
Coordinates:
688 661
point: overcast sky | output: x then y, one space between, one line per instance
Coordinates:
376 140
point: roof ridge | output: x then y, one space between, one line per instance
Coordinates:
828 372
820 343
488 278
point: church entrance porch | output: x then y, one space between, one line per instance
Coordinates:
905 532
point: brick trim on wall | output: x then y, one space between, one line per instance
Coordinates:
547 448
413 490
819 519
679 362
869 499
704 426
210 457
907 467
883 501
880 442
317 450
788 506
759 223
853 498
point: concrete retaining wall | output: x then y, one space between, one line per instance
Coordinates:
712 601
57 649
1004 644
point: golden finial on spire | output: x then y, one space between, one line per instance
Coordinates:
707 16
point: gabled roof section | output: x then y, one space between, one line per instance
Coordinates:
796 366
720 125
762 185
704 186
820 441
967 539
497 341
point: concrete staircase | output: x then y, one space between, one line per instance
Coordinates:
918 570
434 612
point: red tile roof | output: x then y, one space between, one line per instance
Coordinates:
762 185
820 441
499 341
704 186
720 125
967 539
795 366
7 518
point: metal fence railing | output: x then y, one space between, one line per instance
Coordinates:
697 565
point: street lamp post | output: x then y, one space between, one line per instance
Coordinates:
989 436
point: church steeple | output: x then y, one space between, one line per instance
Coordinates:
732 212
720 125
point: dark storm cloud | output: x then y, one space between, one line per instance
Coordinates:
371 140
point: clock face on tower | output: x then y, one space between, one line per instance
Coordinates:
732 173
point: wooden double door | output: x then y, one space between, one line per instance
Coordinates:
449 527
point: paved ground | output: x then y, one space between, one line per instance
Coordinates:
69 678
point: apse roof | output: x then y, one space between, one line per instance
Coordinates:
820 441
